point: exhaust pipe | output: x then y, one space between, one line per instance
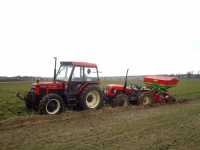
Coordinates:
54 75
126 80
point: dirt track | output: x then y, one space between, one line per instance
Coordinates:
121 128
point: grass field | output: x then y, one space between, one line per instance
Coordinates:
10 106
161 127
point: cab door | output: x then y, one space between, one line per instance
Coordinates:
77 80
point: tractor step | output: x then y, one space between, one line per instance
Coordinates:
72 100
133 98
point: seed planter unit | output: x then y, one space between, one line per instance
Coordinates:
158 90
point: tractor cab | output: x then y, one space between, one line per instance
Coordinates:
76 76
77 71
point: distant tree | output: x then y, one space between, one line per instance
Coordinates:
198 74
189 74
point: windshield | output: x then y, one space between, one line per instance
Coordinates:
64 72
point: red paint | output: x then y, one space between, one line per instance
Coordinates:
84 64
48 86
157 98
117 87
82 88
161 80
57 86
37 90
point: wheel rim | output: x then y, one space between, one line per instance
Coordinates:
92 99
146 100
123 101
125 104
53 106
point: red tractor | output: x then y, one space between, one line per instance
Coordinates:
74 84
122 95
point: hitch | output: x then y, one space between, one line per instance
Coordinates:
18 95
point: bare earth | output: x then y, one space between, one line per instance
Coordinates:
161 127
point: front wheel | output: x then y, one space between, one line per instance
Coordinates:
120 100
91 98
51 104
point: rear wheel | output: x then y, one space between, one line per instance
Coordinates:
51 104
145 100
120 100
91 98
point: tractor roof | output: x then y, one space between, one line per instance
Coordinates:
84 64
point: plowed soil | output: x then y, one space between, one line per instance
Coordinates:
161 127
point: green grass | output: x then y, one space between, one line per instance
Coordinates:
187 89
10 106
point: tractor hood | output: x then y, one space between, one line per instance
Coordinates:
116 86
112 89
50 85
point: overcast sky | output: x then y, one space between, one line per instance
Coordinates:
147 36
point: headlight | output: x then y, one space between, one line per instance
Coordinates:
114 91
104 90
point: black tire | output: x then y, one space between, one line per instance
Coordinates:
120 100
145 100
30 102
171 99
91 97
51 104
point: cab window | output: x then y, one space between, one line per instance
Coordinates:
90 74
77 74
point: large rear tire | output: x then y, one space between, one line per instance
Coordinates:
91 98
120 100
51 104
